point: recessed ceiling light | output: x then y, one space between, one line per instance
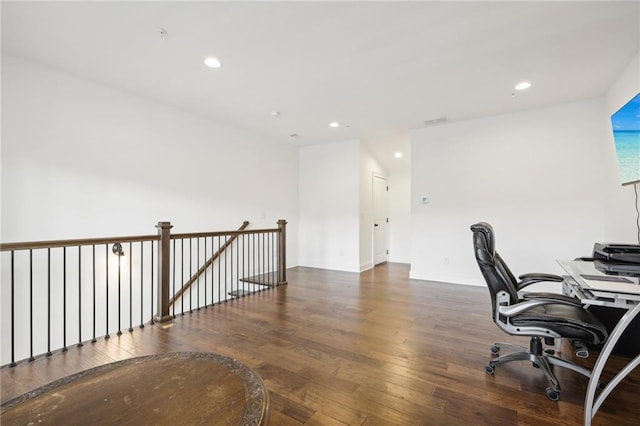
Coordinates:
398 154
275 113
334 124
524 85
212 62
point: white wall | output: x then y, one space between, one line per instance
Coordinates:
84 160
400 216
329 206
368 167
620 225
540 177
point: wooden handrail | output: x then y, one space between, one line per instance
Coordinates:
240 231
210 261
75 242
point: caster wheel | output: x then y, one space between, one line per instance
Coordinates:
582 353
495 350
552 394
489 369
601 385
535 365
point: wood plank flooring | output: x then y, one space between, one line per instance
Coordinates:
360 349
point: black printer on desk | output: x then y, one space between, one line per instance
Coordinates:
618 259
625 253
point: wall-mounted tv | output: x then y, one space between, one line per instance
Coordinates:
626 133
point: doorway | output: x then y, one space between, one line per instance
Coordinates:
380 219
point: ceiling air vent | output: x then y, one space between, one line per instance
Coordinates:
436 121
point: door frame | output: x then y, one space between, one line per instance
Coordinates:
374 176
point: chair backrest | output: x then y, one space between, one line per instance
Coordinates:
495 272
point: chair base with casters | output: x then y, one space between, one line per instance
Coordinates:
538 316
539 358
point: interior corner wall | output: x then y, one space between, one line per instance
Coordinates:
400 217
80 160
621 223
540 177
368 167
329 203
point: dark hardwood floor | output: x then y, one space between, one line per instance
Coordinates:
371 348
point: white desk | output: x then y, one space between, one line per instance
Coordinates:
623 295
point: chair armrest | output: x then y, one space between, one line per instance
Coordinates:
540 277
532 278
534 299
518 308
552 298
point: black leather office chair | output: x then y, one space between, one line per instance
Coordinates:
536 315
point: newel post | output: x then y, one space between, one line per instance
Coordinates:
282 251
164 272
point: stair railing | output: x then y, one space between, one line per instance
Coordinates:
207 264
95 287
243 262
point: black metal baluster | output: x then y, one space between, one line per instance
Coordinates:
152 321
13 322
254 255
206 259
93 261
226 292
119 333
80 296
271 275
219 272
231 271
269 263
142 283
190 275
198 266
252 284
106 251
181 275
173 305
213 300
31 358
64 299
131 286
244 273
49 353
237 244
278 252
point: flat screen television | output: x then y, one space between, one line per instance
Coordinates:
626 134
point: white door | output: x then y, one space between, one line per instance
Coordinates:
380 219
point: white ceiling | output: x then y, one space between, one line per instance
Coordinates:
382 68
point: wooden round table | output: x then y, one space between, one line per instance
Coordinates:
174 388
